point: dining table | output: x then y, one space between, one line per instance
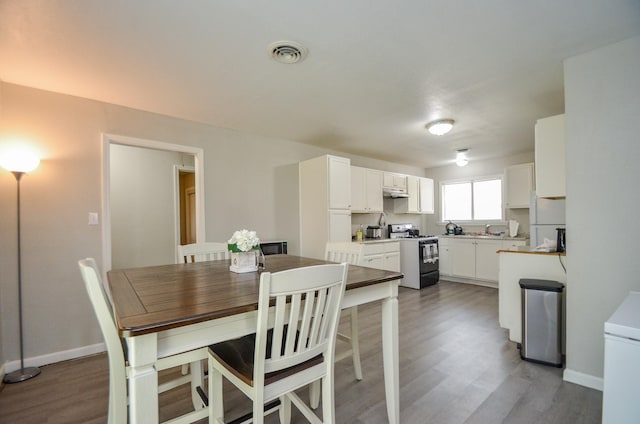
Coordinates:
169 309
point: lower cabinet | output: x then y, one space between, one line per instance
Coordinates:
473 259
385 255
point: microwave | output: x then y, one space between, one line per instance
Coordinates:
274 248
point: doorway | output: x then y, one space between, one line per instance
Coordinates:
152 148
187 205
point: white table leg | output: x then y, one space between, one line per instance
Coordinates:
143 379
390 356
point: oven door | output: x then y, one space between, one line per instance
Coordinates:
429 260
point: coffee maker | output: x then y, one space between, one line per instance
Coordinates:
561 240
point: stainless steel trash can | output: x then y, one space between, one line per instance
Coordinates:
541 321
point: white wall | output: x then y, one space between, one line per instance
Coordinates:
142 204
602 95
250 182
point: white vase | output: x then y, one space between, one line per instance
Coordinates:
244 261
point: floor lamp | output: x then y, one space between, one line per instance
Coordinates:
19 163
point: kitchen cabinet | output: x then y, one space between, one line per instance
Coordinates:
463 258
519 185
366 190
395 181
325 201
384 255
420 200
487 260
550 157
470 258
444 256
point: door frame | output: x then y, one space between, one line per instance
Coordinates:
176 179
107 141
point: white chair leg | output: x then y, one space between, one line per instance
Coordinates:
197 380
314 394
216 401
328 405
285 410
355 343
258 409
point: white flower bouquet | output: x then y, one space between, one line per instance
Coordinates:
244 246
243 241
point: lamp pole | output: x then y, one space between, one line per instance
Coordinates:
23 373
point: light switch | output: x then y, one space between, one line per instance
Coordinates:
93 218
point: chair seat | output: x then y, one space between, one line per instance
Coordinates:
238 357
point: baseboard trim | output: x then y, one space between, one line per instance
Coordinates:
51 358
582 379
491 284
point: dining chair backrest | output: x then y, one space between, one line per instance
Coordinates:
198 252
104 314
343 252
307 306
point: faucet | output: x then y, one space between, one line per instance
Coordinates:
486 229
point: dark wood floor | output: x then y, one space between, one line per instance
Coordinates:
456 366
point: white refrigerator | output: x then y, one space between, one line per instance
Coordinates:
545 215
621 364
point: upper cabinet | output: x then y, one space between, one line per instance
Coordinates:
339 174
550 157
519 185
395 181
420 200
366 190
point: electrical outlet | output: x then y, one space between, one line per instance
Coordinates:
93 218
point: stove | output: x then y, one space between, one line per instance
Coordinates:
419 259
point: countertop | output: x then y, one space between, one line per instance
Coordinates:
475 236
530 250
380 240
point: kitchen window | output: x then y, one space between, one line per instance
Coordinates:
472 200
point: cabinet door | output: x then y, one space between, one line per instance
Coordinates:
373 184
339 183
445 258
513 244
463 258
373 261
487 259
550 153
519 185
391 261
358 189
413 190
426 196
339 225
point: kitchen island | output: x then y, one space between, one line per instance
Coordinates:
524 262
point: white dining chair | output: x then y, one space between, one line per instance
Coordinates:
198 252
300 348
351 253
118 368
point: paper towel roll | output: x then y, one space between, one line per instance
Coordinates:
513 227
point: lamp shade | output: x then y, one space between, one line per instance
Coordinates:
19 160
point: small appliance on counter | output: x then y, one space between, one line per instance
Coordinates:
450 228
561 240
373 232
458 231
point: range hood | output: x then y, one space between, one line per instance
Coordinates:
394 193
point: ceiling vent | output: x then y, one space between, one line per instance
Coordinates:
288 52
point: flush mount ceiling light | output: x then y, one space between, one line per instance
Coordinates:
287 52
461 159
440 127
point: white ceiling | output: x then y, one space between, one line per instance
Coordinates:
377 71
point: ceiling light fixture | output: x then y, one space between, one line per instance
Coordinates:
461 159
287 52
440 127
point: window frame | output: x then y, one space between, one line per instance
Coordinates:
472 180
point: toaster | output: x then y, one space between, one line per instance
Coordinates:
373 232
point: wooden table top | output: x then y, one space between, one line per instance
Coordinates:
158 298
